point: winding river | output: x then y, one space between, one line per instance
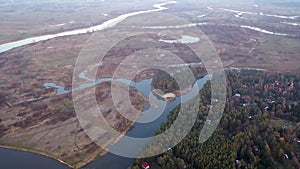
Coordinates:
108 24
27 160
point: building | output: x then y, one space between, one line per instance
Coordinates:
145 165
282 139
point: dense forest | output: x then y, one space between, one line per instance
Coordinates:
259 128
167 83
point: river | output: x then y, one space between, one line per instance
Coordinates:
107 24
26 160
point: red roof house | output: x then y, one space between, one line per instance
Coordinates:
145 165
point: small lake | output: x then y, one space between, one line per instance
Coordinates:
184 39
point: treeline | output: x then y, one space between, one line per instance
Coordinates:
167 83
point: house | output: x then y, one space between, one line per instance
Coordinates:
282 139
236 98
208 121
256 148
297 140
286 156
238 163
145 165
237 95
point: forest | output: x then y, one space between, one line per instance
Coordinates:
259 127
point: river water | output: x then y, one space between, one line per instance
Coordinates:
26 160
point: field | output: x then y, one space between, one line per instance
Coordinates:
21 20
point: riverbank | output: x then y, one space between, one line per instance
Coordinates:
77 165
149 101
